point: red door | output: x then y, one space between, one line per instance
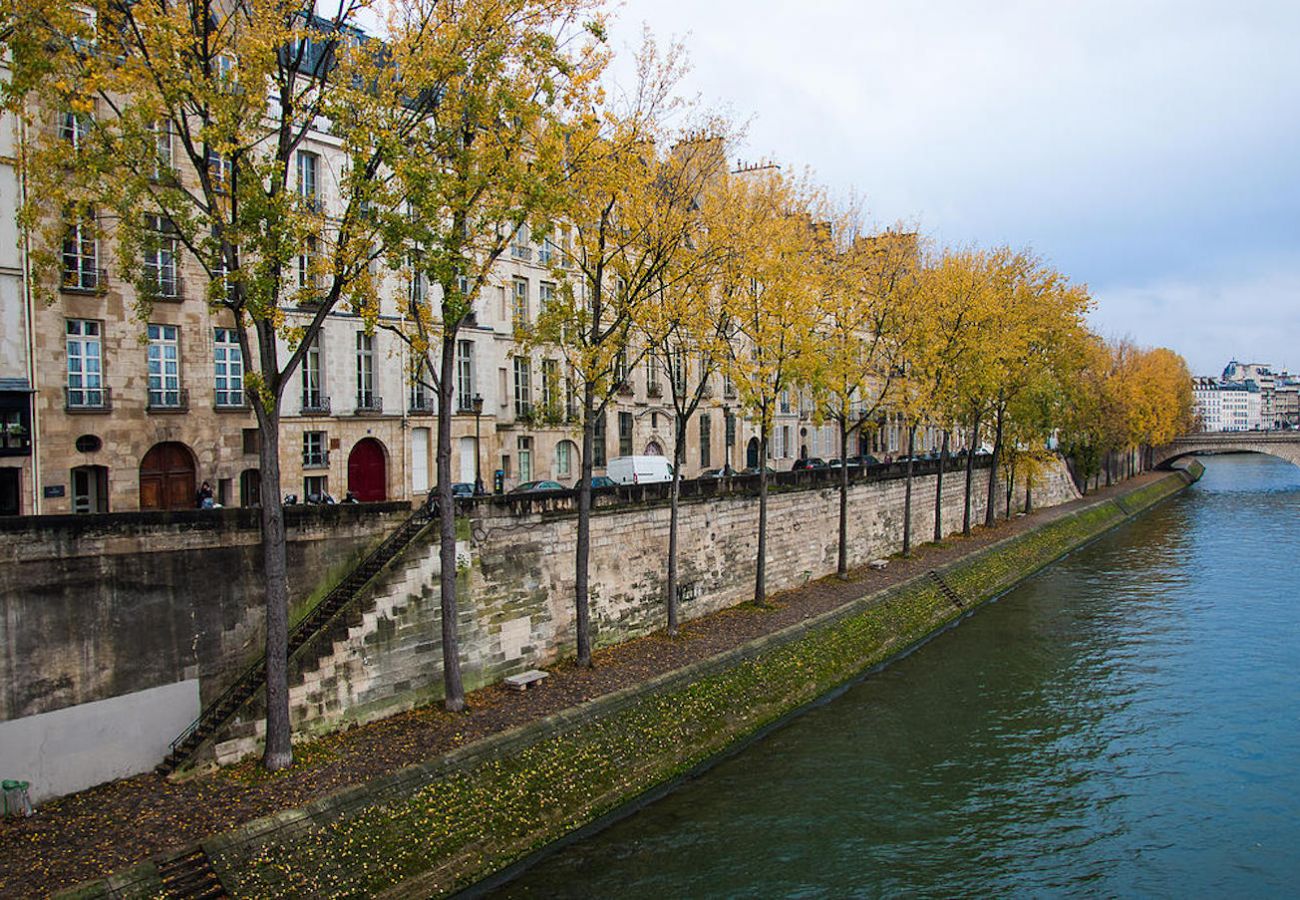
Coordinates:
167 477
367 474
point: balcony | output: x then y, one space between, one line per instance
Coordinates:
519 251
369 405
87 400
315 404
422 405
654 390
166 288
319 459
84 280
173 401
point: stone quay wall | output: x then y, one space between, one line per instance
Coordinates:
517 572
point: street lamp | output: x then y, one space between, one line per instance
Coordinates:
477 401
728 436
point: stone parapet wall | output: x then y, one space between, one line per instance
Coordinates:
518 570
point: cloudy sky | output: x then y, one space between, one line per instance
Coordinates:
1149 149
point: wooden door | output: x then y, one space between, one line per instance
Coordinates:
367 471
167 477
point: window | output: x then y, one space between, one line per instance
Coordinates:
159 258
164 366
164 163
221 170
420 396
565 453
465 375
228 359
314 449
551 386
679 372
598 442
519 309
15 432
315 487
520 249
545 253
731 430
419 286
313 396
523 385
620 369
785 400
307 263
85 364
74 127
545 296
706 440
525 445
365 371
252 441
309 179
652 387
625 434
81 255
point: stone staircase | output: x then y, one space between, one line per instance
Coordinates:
337 601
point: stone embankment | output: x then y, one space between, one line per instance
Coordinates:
436 827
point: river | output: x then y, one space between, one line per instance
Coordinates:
1127 722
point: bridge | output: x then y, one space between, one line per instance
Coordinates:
1282 444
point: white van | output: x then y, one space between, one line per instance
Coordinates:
639 469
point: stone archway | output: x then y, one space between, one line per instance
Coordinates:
751 453
1284 445
368 471
167 477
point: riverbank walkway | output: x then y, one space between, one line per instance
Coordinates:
108 828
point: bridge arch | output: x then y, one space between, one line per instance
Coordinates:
1284 445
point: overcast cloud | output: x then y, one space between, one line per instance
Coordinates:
1149 149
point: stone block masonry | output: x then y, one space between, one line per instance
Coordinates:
517 608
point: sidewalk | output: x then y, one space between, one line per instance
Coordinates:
113 826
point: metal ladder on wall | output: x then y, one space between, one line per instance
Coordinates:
219 711
952 596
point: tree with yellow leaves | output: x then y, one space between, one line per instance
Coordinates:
773 290
176 131
631 204
487 163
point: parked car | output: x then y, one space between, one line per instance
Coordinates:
710 474
639 469
462 489
866 459
808 462
536 487
597 481
753 470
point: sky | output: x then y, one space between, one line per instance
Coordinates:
1148 149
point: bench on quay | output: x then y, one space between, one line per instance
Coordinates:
524 680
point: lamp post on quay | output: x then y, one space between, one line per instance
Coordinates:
477 400
728 437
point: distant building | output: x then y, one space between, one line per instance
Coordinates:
1227 406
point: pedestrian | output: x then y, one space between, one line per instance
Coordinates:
204 498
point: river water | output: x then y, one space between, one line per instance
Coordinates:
1125 723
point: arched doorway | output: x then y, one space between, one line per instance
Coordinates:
653 449
250 487
751 453
368 471
167 477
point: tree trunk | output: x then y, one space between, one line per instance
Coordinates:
760 574
583 553
970 473
907 490
1029 494
454 691
278 753
1011 486
1110 455
842 565
938 488
679 453
991 511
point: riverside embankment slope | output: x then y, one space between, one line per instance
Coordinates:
436 827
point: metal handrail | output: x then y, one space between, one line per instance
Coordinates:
401 533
